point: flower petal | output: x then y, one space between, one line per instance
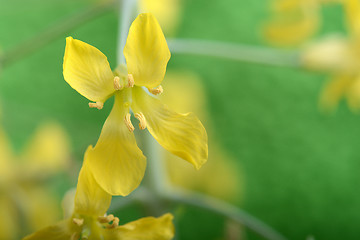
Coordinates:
59 231
48 151
146 51
147 228
87 70
333 91
116 162
181 134
293 22
352 8
90 198
9 221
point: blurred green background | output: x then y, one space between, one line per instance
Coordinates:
300 166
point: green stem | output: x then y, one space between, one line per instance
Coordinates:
222 208
237 52
50 34
127 8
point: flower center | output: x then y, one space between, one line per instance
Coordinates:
90 226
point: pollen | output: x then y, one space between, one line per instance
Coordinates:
156 91
106 219
115 223
131 81
128 122
78 221
117 84
98 105
140 116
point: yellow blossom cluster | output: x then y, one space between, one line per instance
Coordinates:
116 165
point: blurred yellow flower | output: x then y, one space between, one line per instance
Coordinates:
167 12
89 219
340 56
292 22
220 177
87 70
23 195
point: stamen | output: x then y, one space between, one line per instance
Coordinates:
131 81
115 223
75 236
157 90
98 105
106 219
128 123
117 84
78 221
140 116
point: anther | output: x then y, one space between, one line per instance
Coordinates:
78 221
157 90
106 219
140 116
117 84
131 81
75 236
98 105
128 123
115 223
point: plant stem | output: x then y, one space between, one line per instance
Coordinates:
238 52
127 8
222 208
53 32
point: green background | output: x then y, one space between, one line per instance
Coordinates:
300 166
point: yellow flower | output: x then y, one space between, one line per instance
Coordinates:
220 177
89 219
23 195
340 56
167 12
116 162
293 21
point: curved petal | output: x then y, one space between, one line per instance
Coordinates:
9 221
181 134
59 231
87 70
48 151
293 21
90 198
352 8
333 91
6 157
147 228
332 53
146 51
116 162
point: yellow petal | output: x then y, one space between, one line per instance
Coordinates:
40 207
181 134
9 221
293 22
184 92
6 157
167 12
353 95
333 91
146 51
48 151
90 198
116 162
332 53
87 70
148 228
59 231
352 9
